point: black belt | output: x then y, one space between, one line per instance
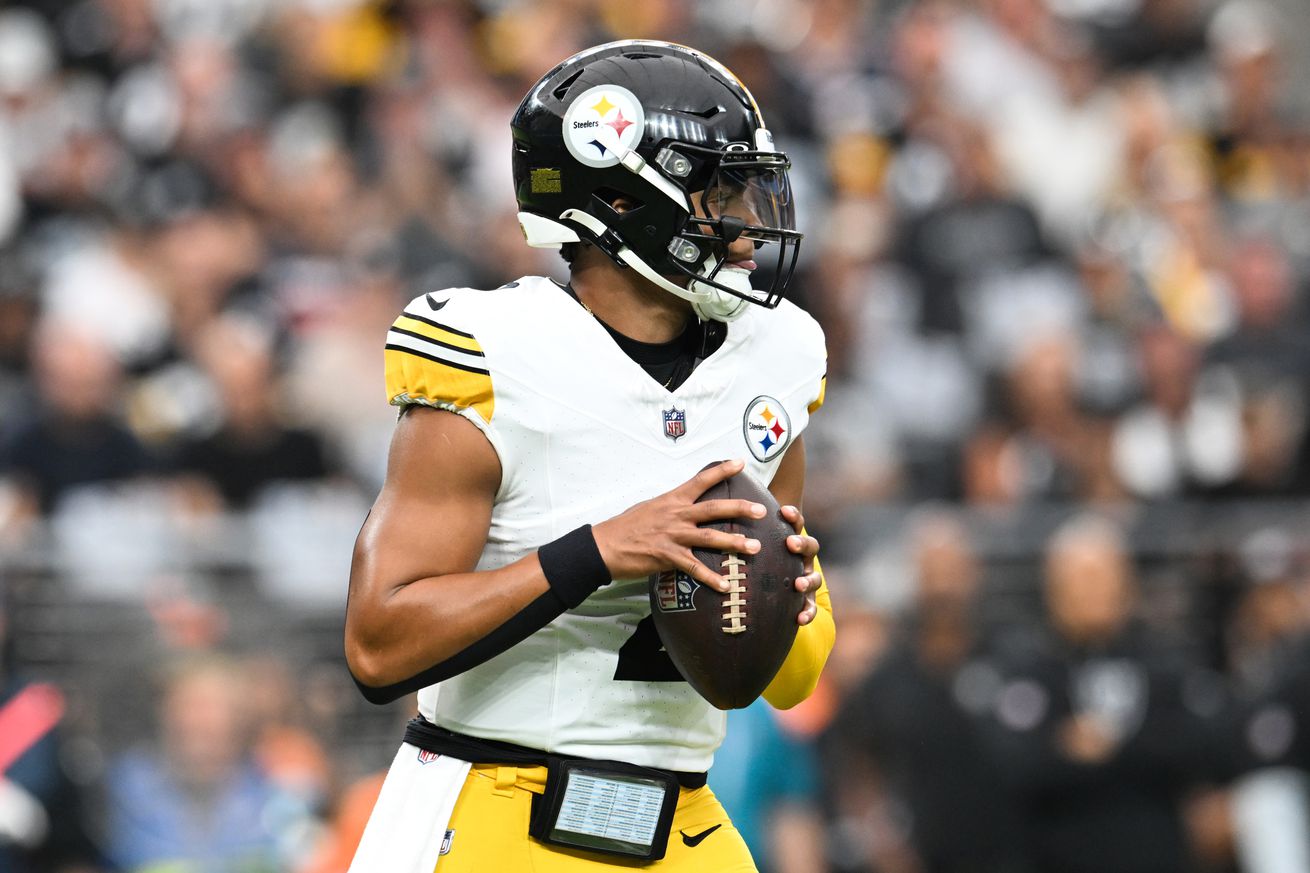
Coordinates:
425 735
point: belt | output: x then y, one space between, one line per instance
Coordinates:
425 735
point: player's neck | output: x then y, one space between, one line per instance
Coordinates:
628 303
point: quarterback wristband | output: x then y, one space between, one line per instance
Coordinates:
573 566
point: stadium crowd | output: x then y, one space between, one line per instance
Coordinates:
1060 250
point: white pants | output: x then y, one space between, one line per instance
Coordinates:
409 820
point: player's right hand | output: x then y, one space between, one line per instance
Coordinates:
659 534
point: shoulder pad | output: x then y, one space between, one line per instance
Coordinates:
805 339
432 361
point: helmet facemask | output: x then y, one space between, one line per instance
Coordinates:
745 195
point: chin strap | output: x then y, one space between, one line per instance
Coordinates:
714 304
709 303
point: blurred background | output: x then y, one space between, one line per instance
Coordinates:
1060 249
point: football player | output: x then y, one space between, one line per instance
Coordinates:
543 467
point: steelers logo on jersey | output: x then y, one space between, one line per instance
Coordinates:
767 427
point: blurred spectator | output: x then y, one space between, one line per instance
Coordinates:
1093 728
71 435
250 447
1273 423
1063 151
776 808
18 315
1270 361
977 232
43 825
1269 634
346 827
1157 34
1119 307
1250 121
1186 437
197 800
1265 345
284 747
1270 650
1041 445
353 801
1271 663
912 729
102 286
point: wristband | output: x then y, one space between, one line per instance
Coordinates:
573 566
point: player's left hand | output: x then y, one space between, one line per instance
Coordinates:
807 547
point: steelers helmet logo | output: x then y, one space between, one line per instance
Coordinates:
602 123
767 427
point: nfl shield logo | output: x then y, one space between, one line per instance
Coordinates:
675 591
427 757
675 423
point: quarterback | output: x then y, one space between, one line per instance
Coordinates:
544 465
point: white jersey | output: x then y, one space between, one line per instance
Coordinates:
583 433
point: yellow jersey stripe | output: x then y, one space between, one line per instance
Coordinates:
435 344
417 377
417 325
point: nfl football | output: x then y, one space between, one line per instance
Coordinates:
728 646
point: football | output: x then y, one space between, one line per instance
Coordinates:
728 646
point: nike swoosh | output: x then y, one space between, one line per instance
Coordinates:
696 840
432 302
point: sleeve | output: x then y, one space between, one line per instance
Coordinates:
799 673
817 402
816 345
432 362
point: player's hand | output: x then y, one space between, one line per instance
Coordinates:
807 547
659 534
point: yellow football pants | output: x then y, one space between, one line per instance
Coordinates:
490 825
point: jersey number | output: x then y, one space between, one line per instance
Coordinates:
643 659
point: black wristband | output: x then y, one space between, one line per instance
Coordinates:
573 566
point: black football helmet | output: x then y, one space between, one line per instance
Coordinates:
656 124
